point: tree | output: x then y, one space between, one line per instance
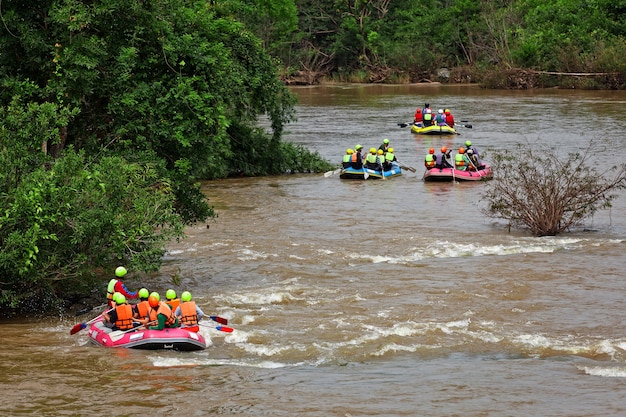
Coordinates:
535 189
110 113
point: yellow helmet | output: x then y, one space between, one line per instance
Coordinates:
380 152
349 151
373 150
390 150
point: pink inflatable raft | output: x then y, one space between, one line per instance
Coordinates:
169 339
449 174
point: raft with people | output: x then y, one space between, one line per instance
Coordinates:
176 338
453 174
150 323
433 130
467 165
363 173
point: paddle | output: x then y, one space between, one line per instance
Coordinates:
220 328
411 169
405 124
80 326
331 173
218 319
475 167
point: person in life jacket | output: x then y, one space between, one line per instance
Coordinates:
389 158
141 311
429 160
189 313
427 115
370 160
380 160
111 306
441 160
440 118
460 160
357 157
162 313
474 156
449 118
384 146
347 158
121 316
472 164
418 118
171 300
468 146
116 285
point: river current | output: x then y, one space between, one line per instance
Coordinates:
371 298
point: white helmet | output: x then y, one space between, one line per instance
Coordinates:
470 151
440 111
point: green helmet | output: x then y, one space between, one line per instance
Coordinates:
468 143
155 294
116 295
357 147
386 141
120 299
143 293
170 294
120 271
185 296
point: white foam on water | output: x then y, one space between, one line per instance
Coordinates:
446 249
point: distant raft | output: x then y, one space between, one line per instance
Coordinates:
434 130
366 173
451 174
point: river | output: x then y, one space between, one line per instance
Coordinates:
371 298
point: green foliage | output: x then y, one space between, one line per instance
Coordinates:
145 98
255 157
383 38
535 189
61 223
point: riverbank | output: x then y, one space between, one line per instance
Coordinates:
492 78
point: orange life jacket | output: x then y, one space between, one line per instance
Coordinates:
173 303
167 312
143 309
124 317
189 317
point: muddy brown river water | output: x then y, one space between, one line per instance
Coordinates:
371 298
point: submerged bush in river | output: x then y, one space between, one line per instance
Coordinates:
534 188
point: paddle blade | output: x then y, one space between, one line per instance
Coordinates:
224 329
328 173
77 328
220 320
